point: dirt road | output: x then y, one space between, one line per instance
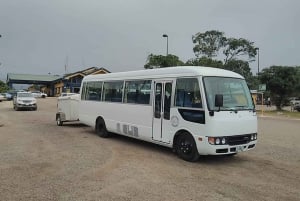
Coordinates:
41 161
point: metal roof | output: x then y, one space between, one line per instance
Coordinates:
29 77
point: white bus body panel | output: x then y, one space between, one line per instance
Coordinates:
124 118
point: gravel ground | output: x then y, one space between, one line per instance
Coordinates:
41 161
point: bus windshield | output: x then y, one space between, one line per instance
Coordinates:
236 95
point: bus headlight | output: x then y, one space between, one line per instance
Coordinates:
217 140
223 140
253 136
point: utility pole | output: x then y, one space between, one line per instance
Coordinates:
166 36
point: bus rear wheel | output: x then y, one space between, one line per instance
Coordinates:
59 122
186 147
101 128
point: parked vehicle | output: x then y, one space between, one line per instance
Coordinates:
67 109
38 94
297 107
13 93
24 100
7 96
2 98
67 94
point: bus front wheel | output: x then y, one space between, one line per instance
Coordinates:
101 128
186 147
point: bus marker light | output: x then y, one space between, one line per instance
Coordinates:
211 140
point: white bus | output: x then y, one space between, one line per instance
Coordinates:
194 110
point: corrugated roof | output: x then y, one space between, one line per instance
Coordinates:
28 77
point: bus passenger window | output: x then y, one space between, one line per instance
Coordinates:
167 101
137 91
158 90
112 91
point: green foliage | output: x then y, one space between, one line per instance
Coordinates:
281 81
239 66
211 42
3 87
160 61
238 47
204 61
208 43
296 92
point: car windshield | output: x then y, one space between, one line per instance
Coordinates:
236 95
25 95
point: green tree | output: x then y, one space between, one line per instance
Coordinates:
281 82
160 61
3 87
205 61
235 48
296 92
239 66
208 43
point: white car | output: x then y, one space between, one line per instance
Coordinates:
38 94
2 98
67 94
24 100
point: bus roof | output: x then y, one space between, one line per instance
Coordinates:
166 72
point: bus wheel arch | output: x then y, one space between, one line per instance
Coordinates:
185 146
100 128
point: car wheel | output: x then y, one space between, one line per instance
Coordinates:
186 147
59 122
101 128
16 108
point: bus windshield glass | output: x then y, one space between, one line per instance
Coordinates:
236 95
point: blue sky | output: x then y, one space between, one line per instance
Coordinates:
40 37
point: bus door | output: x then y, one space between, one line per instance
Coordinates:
161 110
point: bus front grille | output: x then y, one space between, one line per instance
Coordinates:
239 139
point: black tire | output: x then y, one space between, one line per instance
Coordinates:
59 122
100 128
186 147
16 108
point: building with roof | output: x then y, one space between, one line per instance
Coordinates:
54 85
45 80
70 83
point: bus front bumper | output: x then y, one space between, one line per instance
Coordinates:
205 148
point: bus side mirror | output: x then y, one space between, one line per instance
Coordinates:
219 100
